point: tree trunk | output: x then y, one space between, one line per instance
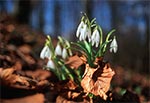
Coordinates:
24 9
147 43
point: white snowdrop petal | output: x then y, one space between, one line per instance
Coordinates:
80 38
79 28
115 49
42 52
97 35
95 38
58 50
64 53
92 43
78 32
113 46
45 53
84 32
110 49
50 64
89 39
89 34
96 45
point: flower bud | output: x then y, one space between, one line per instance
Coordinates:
79 28
45 53
50 64
95 38
64 53
58 50
114 46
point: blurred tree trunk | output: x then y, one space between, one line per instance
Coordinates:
41 15
24 9
146 61
114 24
88 8
2 6
57 11
114 14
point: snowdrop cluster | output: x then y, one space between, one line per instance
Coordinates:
95 39
84 30
46 53
61 52
51 55
90 35
114 45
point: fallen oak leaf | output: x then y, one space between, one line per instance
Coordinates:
23 54
75 61
97 80
26 49
17 65
39 74
10 78
71 85
36 98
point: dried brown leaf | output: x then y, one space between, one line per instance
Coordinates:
74 61
66 85
26 49
97 80
38 74
37 98
10 78
18 65
10 27
71 84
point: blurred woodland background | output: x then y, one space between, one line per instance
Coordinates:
130 18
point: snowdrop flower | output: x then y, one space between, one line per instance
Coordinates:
88 34
79 28
58 50
64 53
83 33
69 50
50 64
114 46
45 53
95 38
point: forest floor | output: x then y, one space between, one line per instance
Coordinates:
24 81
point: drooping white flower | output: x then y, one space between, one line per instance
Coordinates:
83 33
88 34
50 64
69 50
58 50
45 53
79 28
113 45
64 53
95 38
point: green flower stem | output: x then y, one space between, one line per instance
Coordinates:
90 57
66 70
49 44
101 35
78 75
107 39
